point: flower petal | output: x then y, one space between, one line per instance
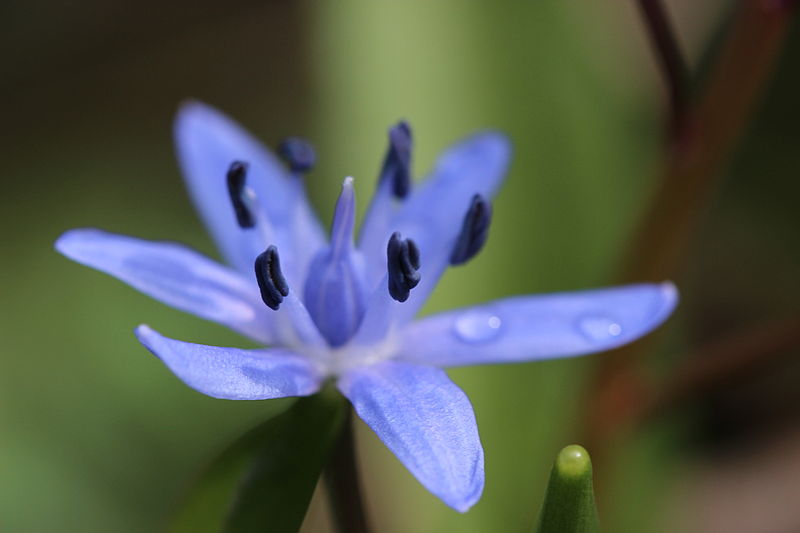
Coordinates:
294 327
380 318
175 275
529 328
427 422
232 373
475 165
207 143
433 213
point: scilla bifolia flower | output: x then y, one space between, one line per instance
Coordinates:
343 308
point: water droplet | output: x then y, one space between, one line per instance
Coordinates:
478 326
599 328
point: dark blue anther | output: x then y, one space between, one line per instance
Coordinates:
237 174
474 231
270 278
298 154
397 163
403 261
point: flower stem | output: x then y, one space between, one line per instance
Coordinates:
344 487
694 162
671 62
750 351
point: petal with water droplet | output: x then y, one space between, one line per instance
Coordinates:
477 326
530 328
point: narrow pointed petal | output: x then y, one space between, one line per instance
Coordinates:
530 328
433 214
384 313
295 327
232 373
176 276
207 143
376 226
293 324
426 421
381 317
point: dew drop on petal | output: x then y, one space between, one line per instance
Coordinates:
598 328
477 326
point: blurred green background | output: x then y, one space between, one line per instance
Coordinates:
96 436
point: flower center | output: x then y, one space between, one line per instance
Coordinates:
335 289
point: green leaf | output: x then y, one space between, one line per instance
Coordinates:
569 505
264 481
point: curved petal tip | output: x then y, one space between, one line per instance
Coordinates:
143 332
670 298
191 106
65 243
193 113
465 502
493 142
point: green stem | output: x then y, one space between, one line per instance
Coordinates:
344 487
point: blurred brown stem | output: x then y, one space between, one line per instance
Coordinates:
668 54
725 362
694 161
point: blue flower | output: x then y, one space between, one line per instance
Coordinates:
331 308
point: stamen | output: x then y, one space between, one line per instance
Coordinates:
474 231
270 278
397 163
298 153
237 174
403 263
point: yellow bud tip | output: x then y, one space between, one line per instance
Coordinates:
573 461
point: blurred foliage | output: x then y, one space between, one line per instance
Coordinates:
268 476
97 436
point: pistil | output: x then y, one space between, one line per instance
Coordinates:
334 290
